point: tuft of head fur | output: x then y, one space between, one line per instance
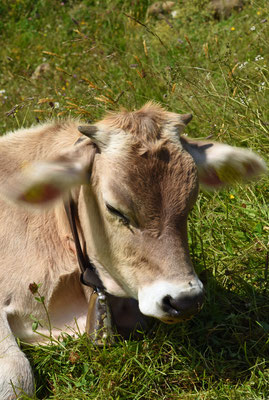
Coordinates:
145 124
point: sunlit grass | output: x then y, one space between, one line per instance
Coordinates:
107 55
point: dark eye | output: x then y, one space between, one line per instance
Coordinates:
118 214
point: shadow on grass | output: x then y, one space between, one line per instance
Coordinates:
226 343
229 338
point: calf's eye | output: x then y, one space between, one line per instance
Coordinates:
118 214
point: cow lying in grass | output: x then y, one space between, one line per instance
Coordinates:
134 179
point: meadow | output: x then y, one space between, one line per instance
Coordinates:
105 55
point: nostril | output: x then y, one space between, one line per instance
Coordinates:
183 306
169 307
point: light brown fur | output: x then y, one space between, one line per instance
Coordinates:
48 254
136 164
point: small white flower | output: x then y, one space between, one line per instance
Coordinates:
253 28
243 65
174 13
259 57
2 91
262 86
56 104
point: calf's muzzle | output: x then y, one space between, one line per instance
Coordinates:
171 302
184 306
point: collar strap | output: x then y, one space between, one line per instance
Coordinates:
88 276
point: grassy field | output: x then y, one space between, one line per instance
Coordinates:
103 55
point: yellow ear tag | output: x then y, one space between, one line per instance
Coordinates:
41 193
35 194
228 174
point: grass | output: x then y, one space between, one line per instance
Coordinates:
104 55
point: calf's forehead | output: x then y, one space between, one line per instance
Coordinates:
155 184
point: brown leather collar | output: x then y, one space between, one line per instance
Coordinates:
125 313
89 275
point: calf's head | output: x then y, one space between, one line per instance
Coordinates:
134 206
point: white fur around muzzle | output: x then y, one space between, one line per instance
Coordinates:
151 297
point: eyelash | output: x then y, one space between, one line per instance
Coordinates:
118 214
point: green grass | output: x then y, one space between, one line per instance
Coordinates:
104 55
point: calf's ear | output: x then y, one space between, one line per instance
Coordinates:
40 184
220 165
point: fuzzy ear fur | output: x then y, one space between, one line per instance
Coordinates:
220 165
40 184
